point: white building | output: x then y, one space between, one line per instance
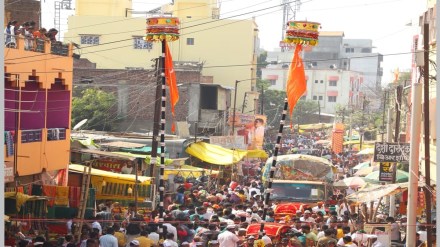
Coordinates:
331 87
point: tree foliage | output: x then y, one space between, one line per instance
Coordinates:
274 104
94 105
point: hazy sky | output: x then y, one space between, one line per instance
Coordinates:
386 22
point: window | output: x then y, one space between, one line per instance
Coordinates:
349 50
322 81
140 43
315 97
314 64
333 83
190 41
320 97
331 98
316 81
273 82
89 39
366 50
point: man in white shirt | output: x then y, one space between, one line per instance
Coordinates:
374 242
154 235
228 237
307 218
319 207
171 229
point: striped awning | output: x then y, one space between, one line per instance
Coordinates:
332 93
272 77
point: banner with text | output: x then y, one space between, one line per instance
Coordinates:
391 152
386 172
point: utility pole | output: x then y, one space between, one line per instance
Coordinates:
413 182
426 130
398 104
235 104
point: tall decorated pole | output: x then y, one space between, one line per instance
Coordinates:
298 33
164 29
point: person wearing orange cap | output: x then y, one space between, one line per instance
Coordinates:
319 207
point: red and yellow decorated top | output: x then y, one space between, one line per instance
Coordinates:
162 28
302 32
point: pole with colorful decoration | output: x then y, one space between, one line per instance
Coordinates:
164 29
298 33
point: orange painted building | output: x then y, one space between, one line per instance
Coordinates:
38 98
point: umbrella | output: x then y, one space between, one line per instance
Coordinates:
361 165
366 151
366 170
353 182
323 142
401 177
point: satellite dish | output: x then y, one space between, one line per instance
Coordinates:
81 123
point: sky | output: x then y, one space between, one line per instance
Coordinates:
391 24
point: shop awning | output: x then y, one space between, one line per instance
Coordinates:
141 150
374 192
189 171
118 144
147 158
105 154
96 172
215 154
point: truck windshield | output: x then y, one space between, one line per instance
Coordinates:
297 192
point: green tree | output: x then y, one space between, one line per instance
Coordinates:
94 105
274 104
261 63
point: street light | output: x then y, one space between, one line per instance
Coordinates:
361 132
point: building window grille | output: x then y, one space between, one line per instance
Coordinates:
90 40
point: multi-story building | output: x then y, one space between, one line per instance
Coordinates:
109 36
38 85
335 56
332 88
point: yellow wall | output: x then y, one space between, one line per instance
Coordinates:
220 44
102 7
50 155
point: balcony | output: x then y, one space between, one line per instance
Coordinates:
36 45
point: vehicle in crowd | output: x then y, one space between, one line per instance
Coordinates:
275 231
300 178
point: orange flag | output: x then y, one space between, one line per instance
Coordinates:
296 80
170 76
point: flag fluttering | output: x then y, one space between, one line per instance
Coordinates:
170 75
296 80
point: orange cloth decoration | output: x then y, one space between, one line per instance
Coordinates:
296 81
51 192
170 76
62 196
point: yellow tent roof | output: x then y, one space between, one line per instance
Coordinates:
215 154
97 172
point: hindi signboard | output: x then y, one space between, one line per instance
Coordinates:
391 152
386 172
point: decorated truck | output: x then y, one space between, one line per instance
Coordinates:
299 178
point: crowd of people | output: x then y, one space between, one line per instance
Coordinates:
28 31
195 215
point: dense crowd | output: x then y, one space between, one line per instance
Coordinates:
197 216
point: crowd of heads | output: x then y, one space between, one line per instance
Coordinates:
29 31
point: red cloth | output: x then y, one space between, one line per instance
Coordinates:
74 196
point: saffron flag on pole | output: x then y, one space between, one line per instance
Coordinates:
296 80
170 76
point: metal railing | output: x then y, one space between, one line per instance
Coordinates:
36 45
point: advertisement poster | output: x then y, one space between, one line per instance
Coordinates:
385 172
252 128
114 165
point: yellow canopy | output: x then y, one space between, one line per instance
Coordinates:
215 154
188 171
255 153
102 173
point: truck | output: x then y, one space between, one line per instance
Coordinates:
299 178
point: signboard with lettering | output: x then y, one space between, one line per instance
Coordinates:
386 172
9 172
113 165
391 152
228 141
